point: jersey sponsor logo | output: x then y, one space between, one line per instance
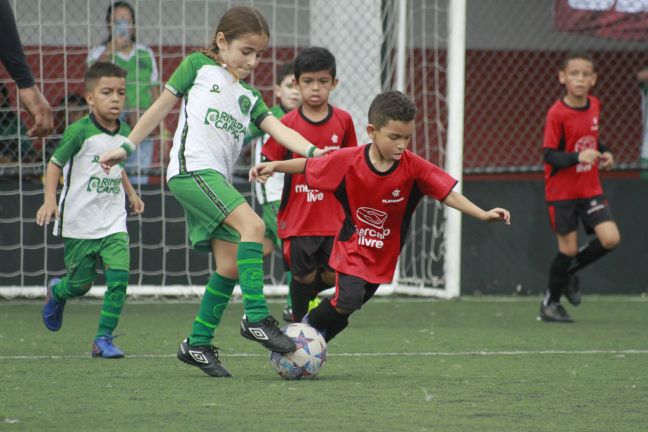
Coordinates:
104 185
372 237
397 198
312 195
215 89
224 121
245 104
373 217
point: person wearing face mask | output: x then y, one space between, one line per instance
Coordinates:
142 79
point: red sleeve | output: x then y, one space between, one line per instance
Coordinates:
553 131
432 180
350 139
273 150
326 173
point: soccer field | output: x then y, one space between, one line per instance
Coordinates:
478 364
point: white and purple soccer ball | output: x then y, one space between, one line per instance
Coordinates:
309 357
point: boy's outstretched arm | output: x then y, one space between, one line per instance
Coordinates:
261 172
136 203
291 139
149 121
459 202
49 207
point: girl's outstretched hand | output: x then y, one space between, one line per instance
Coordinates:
498 214
111 158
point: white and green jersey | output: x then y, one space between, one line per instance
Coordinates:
92 204
271 190
214 116
141 73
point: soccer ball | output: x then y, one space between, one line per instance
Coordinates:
309 357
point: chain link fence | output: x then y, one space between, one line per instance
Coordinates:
513 48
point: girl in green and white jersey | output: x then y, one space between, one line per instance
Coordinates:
217 108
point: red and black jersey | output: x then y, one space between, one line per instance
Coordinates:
572 130
378 206
305 211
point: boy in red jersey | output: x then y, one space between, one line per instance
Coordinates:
573 154
308 218
379 186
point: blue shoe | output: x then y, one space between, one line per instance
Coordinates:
103 347
53 309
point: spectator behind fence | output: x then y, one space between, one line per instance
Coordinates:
15 143
142 81
70 109
642 76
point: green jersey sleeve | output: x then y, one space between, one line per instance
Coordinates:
184 76
73 139
259 111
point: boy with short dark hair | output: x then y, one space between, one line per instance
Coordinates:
269 194
309 219
573 154
91 215
379 186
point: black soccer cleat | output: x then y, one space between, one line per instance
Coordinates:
554 312
572 290
268 334
204 357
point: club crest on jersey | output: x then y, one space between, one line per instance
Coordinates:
594 123
334 139
396 194
245 104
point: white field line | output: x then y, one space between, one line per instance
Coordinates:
379 354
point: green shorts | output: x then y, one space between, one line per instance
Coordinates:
270 210
81 257
207 199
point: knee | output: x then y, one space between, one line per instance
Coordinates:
305 279
255 229
570 251
611 241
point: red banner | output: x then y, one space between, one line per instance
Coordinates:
615 19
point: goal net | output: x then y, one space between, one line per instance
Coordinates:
376 44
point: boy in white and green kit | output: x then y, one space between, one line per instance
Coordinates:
91 213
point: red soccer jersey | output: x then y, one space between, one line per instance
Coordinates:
306 211
378 206
572 130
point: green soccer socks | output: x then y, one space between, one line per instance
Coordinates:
249 261
213 304
113 301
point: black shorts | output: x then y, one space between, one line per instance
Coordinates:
564 215
351 292
303 255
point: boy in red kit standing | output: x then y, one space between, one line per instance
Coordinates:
573 154
378 186
309 218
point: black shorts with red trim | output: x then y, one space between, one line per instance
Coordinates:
564 215
303 255
351 292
